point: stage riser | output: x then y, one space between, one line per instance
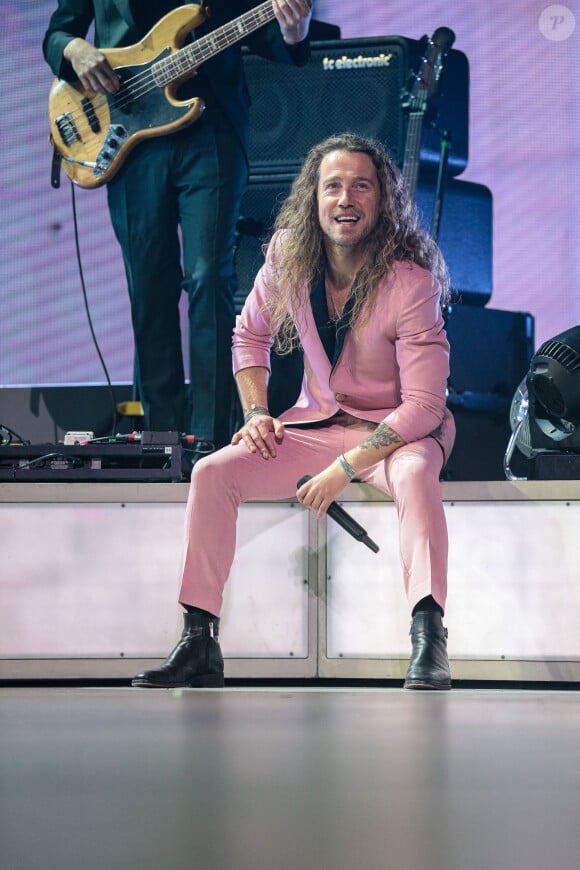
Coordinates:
90 579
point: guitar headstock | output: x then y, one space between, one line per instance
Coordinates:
426 78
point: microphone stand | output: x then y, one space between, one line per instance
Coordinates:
440 186
445 147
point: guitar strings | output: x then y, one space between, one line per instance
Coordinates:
196 53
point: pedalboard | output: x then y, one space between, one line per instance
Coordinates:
140 456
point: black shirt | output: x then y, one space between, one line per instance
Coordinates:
332 332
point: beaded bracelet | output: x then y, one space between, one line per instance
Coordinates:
346 466
253 411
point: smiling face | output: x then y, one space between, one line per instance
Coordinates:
348 199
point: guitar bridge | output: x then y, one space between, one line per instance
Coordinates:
67 129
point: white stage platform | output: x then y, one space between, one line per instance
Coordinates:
89 579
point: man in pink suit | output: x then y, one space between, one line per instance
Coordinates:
352 278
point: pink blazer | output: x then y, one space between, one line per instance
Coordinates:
393 369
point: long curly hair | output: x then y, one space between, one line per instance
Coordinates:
300 259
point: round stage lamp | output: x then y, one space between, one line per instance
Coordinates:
554 388
545 411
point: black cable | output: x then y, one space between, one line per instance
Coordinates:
11 434
71 461
89 318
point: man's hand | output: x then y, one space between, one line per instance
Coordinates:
261 433
294 19
320 491
92 67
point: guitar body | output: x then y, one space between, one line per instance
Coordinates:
95 133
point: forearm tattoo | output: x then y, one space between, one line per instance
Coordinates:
382 436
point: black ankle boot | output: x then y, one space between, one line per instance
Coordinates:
429 665
196 661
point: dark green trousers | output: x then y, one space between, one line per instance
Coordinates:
174 206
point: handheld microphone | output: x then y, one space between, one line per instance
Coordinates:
348 523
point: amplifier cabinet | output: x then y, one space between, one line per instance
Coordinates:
352 85
349 84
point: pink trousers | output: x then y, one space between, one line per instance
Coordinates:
225 479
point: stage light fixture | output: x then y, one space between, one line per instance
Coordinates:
545 411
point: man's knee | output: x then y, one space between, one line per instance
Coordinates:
414 475
217 472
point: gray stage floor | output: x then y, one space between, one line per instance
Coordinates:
269 779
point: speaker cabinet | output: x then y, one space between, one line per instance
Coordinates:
554 466
355 85
259 207
465 235
350 84
491 352
490 355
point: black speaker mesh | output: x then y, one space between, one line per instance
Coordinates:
352 85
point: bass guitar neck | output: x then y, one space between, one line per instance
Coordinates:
425 83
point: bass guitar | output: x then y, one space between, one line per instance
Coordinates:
94 133
415 103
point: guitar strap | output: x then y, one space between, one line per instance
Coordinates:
55 164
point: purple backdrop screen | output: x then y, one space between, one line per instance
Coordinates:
524 145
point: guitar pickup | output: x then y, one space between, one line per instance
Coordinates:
91 115
67 129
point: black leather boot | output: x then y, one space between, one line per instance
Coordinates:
429 665
196 661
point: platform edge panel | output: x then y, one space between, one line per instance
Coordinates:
124 669
469 670
485 671
161 492
546 668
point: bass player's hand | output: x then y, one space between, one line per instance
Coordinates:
92 67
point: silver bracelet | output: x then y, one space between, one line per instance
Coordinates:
253 411
346 466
